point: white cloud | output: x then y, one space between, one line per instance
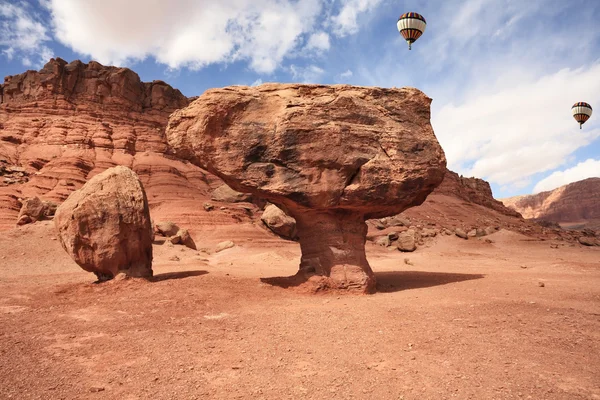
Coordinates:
587 169
257 82
318 41
9 53
346 21
22 33
527 128
185 33
309 74
346 74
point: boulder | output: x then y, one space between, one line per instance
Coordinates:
166 228
186 239
226 194
383 241
489 230
398 220
331 156
406 241
429 232
279 222
228 244
105 226
460 233
588 241
34 209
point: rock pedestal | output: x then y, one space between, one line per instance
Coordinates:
329 156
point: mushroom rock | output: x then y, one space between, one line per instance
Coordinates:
105 226
329 156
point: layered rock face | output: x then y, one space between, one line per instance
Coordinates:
330 156
105 226
473 190
577 203
70 121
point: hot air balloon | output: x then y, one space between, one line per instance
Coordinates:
411 26
581 112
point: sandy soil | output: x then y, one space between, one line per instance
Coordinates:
459 319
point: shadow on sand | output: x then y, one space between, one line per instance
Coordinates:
395 281
176 275
387 282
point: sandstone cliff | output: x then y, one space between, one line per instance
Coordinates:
473 190
574 205
61 126
64 124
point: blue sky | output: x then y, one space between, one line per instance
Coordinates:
503 74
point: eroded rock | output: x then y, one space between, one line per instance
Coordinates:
461 233
228 244
105 226
279 222
226 194
330 156
34 209
406 241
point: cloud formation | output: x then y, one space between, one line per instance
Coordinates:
23 35
589 168
345 22
520 131
185 33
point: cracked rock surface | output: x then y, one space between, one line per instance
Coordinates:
330 156
105 226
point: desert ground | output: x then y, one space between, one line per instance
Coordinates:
511 319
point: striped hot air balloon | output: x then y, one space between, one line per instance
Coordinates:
411 26
581 112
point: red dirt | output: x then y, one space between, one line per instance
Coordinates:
457 319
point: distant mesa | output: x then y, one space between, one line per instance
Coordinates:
575 206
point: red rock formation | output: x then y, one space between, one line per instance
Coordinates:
105 226
331 156
575 204
473 190
71 121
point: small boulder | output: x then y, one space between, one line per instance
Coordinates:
383 241
226 194
398 220
166 229
587 241
429 232
406 241
105 226
224 245
472 233
479 232
392 236
34 209
208 207
279 222
377 223
489 230
186 239
460 233
174 239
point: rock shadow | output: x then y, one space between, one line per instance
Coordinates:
395 281
176 275
286 282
